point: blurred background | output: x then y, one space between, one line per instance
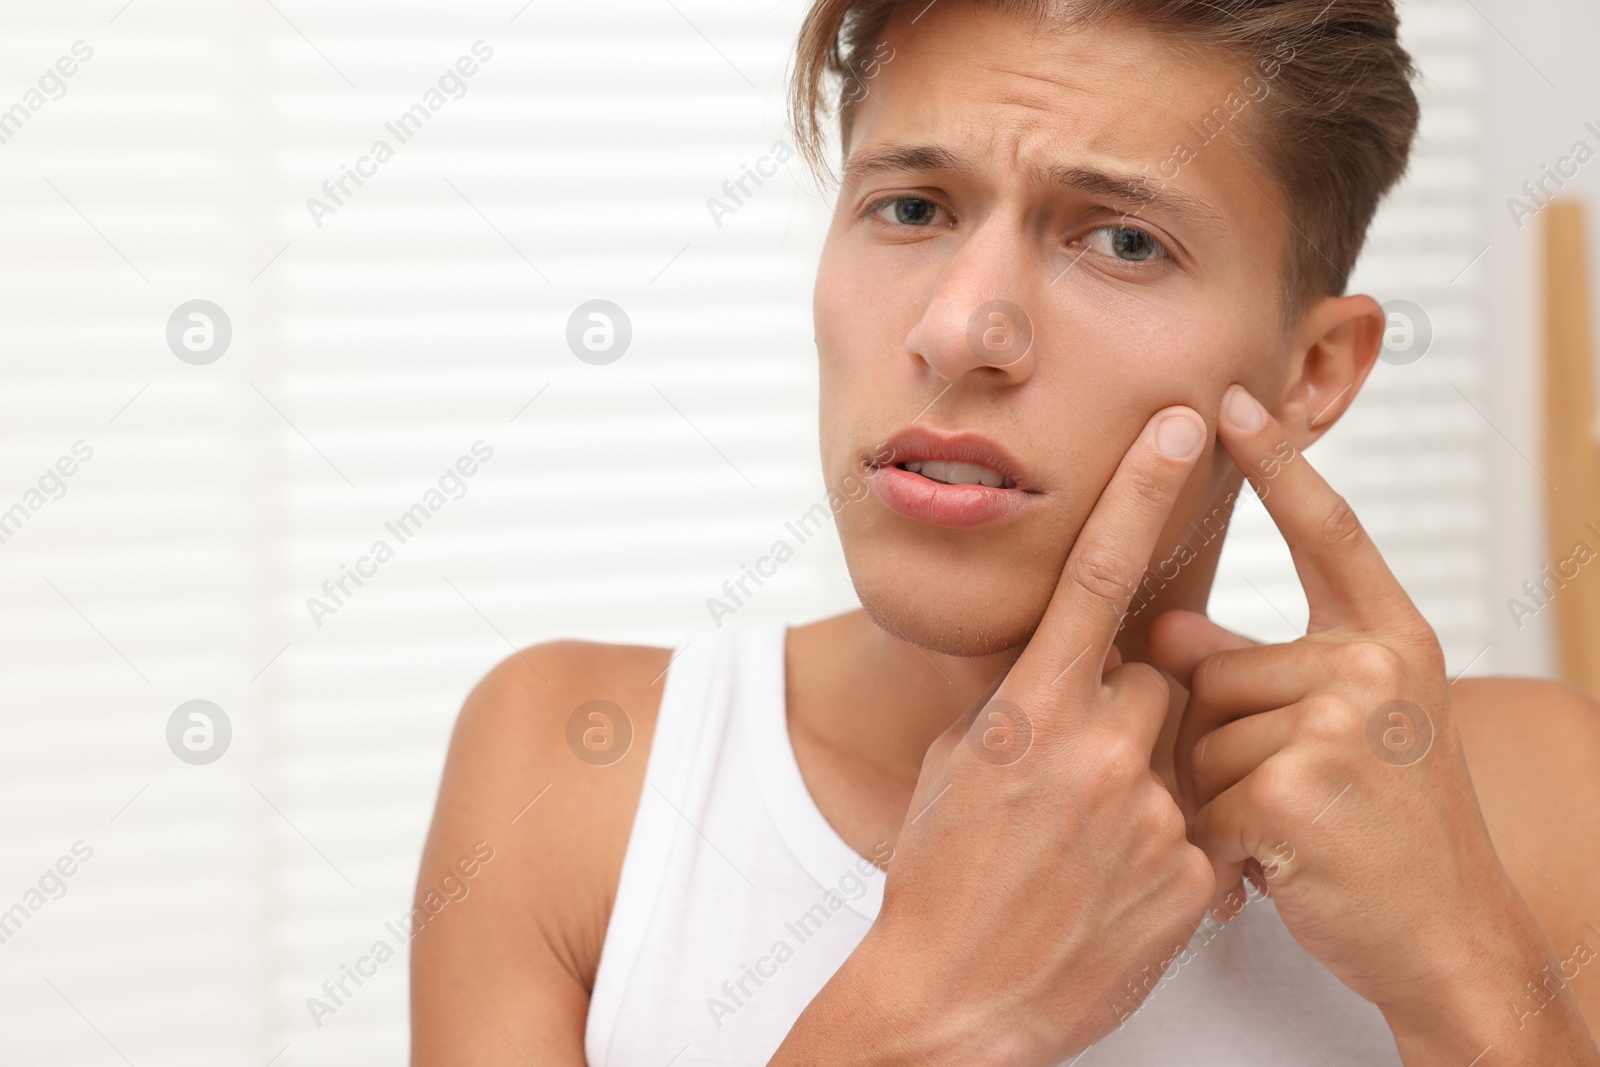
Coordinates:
217 397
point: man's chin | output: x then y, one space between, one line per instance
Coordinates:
949 625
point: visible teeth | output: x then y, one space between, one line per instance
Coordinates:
959 473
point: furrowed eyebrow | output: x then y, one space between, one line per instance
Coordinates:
894 156
1139 191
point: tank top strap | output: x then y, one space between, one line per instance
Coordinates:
815 845
719 685
691 728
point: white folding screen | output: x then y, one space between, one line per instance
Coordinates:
387 339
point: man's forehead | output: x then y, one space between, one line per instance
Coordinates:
1108 111
1114 89
972 43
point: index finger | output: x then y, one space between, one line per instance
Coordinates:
1111 553
1346 579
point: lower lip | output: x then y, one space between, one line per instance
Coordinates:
959 507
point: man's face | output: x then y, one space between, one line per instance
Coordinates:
933 278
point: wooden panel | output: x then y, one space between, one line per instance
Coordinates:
1572 457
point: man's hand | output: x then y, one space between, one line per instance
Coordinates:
1329 769
1042 865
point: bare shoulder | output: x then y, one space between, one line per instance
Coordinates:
544 773
1533 747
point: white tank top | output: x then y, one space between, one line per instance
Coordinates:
738 901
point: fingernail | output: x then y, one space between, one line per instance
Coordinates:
1179 436
1241 410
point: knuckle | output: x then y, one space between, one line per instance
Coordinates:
1282 874
1098 788
1197 879
1328 718
1121 755
1149 484
1420 635
1207 676
1104 574
1163 820
936 755
1115 763
1340 527
1424 634
1373 661
1272 788
1143 682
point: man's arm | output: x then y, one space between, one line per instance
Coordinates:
503 974
1534 751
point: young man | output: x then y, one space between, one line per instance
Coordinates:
1086 271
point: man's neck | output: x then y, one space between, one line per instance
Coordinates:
865 704
859 689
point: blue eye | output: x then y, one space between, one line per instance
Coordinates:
908 210
1127 244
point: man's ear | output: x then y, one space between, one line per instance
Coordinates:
1336 344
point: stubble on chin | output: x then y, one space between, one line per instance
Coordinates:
943 627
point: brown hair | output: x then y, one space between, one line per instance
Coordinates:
1341 113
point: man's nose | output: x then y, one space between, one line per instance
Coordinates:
978 325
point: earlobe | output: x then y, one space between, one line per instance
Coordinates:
1338 341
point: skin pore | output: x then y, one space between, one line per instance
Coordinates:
1135 303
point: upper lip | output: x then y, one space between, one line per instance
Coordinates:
921 443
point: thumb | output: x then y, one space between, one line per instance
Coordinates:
1179 640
